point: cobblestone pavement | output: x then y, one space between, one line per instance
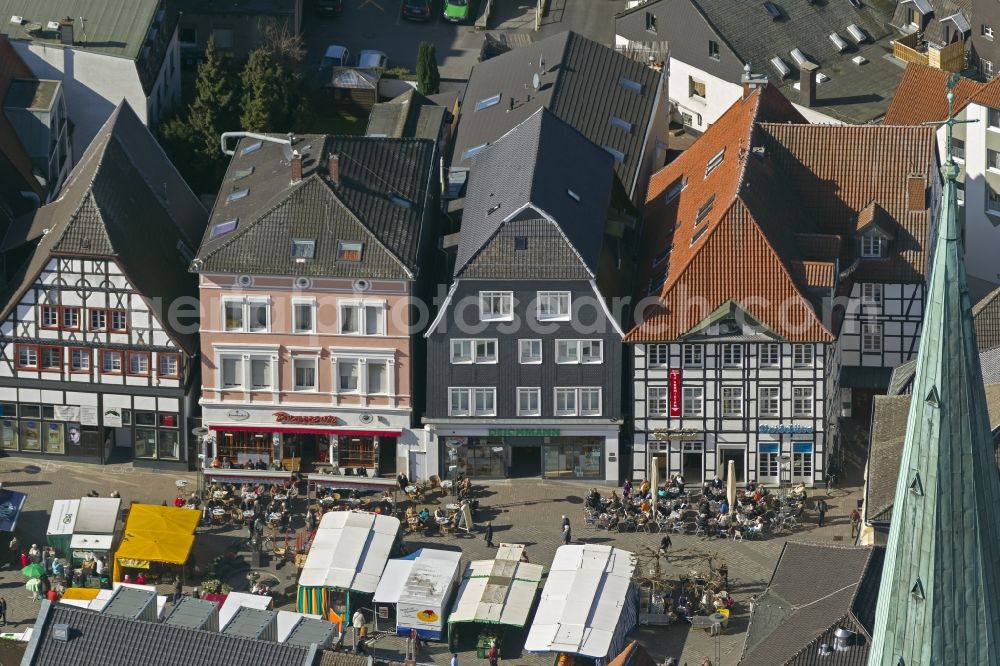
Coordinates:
524 511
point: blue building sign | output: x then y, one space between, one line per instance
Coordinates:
785 429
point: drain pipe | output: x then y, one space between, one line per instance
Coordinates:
250 135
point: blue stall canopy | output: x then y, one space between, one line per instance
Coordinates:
11 503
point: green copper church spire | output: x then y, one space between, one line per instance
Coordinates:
939 600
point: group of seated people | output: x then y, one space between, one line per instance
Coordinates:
224 462
424 519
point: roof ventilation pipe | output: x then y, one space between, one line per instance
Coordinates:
250 135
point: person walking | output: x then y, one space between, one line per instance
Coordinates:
821 509
15 549
855 524
493 654
178 590
566 535
358 622
665 544
489 534
3 612
454 659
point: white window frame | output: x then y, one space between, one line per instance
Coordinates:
872 246
587 351
298 361
658 355
534 395
474 355
529 344
248 372
657 401
803 400
568 358
728 355
298 303
246 304
769 402
363 358
560 298
871 293
485 391
565 391
732 402
769 355
502 298
693 355
871 337
240 376
803 355
589 392
364 308
693 396
227 301
465 354
356 362
378 362
457 394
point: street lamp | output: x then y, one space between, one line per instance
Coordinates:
785 465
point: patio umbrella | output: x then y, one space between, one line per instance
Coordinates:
654 476
33 570
33 585
731 483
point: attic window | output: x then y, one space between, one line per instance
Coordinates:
660 258
349 251
240 174
520 243
474 150
615 153
237 195
674 190
225 227
872 245
487 103
699 234
656 282
629 84
252 148
621 124
400 201
573 195
772 10
303 250
715 161
705 209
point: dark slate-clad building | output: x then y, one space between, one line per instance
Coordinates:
98 322
524 355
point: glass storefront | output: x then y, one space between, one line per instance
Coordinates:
575 458
156 435
562 457
241 448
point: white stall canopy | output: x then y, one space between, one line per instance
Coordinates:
499 591
587 603
424 579
91 542
64 515
237 600
98 515
350 551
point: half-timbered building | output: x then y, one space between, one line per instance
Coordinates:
99 323
762 239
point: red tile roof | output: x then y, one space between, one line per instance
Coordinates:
784 196
988 94
920 96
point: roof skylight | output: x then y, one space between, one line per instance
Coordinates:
621 124
240 174
473 151
400 201
615 153
238 194
779 64
856 33
798 56
715 161
226 227
772 10
674 190
487 102
838 41
629 84
573 195
252 148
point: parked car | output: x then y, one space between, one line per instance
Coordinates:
369 59
335 56
456 11
416 10
328 7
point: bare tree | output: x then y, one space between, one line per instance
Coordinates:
284 47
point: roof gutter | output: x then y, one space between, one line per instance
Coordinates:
250 135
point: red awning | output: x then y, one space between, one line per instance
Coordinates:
305 431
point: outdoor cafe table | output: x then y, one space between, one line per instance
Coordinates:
702 621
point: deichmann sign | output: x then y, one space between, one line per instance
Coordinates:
524 432
306 419
785 429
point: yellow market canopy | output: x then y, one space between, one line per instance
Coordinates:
156 534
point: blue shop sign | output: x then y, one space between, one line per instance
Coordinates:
785 429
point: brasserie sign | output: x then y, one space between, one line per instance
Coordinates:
306 419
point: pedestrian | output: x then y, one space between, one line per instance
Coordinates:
402 481
566 536
3 612
665 544
34 553
493 654
454 659
15 548
489 534
25 560
706 662
821 512
358 622
855 523
178 590
565 521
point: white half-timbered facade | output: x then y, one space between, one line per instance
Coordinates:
756 321
96 339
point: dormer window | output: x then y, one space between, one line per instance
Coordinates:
872 246
303 250
349 251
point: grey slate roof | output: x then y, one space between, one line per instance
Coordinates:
124 200
941 560
97 638
986 319
579 83
790 620
309 631
408 116
191 613
382 200
539 167
934 30
885 451
854 94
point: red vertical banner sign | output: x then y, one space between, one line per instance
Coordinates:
675 392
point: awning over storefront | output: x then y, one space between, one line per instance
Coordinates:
319 430
156 534
347 482
247 475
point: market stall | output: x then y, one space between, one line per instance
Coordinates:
155 535
11 504
61 523
83 529
589 604
345 563
415 593
495 594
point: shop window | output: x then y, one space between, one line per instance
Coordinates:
53 441
30 435
138 364
657 401
145 442
769 401
169 445
802 355
167 419
356 452
530 351
8 434
579 457
31 412
169 365
802 401
79 359
770 355
553 306
802 460
98 319
768 461
8 409
27 357
529 401
71 319
304 371
49 316
119 320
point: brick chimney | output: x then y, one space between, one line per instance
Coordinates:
807 85
66 30
333 167
296 163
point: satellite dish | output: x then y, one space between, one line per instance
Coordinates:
536 81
